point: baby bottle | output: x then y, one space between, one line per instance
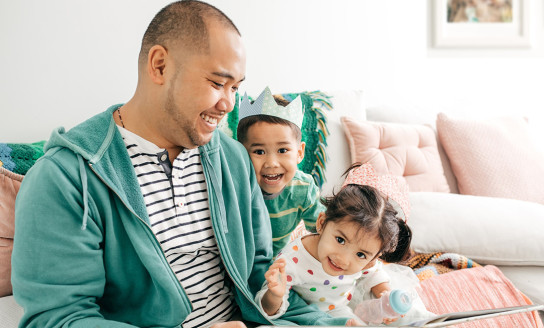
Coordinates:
391 305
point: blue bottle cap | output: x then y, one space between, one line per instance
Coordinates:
400 301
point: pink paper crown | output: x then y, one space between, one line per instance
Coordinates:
395 189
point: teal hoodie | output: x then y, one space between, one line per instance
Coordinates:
84 254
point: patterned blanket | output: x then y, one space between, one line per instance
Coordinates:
428 265
18 158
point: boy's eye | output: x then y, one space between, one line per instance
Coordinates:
361 255
218 85
282 150
258 152
340 240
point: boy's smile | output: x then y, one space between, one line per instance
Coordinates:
275 153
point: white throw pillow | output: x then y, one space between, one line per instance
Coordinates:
487 230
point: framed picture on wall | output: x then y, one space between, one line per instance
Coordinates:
480 23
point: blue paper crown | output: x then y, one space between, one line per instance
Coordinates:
266 105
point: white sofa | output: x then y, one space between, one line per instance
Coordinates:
506 233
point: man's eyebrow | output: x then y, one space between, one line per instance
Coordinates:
227 75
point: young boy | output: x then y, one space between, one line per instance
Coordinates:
270 130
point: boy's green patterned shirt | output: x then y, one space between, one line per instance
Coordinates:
299 200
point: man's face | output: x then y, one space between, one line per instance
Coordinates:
201 89
275 153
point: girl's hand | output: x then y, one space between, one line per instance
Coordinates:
389 320
276 278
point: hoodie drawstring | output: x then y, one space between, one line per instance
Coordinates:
83 174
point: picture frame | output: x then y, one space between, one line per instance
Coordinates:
464 30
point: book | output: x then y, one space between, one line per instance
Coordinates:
454 318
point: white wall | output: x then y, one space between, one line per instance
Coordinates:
65 60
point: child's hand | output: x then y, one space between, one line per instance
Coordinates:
276 278
389 320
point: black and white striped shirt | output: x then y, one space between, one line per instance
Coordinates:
176 197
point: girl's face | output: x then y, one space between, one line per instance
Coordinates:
343 248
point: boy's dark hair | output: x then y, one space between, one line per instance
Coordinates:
247 122
366 206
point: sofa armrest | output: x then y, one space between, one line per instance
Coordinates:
10 312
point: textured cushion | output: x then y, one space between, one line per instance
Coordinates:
487 230
404 150
477 289
495 158
9 186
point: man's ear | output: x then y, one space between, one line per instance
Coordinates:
300 152
156 64
320 223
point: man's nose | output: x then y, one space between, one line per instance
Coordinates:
226 102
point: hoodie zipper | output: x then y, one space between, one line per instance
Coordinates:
252 301
148 227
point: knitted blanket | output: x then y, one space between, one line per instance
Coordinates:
314 131
18 158
428 265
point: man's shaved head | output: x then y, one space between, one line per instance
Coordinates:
185 24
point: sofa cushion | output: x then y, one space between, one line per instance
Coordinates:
9 186
487 230
495 157
404 150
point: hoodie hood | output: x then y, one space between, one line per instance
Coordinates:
87 139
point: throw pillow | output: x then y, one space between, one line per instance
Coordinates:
9 186
405 150
496 158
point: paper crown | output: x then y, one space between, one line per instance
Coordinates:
266 105
389 185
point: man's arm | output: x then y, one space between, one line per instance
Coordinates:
57 267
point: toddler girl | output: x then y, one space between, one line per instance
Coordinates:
359 226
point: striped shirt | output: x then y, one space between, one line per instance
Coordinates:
176 197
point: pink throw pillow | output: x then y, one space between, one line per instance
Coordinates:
405 150
495 158
9 186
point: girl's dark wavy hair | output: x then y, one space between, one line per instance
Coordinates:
369 208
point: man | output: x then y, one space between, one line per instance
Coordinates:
144 216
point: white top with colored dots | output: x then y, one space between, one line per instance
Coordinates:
305 275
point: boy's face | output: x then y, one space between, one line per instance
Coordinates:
275 153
